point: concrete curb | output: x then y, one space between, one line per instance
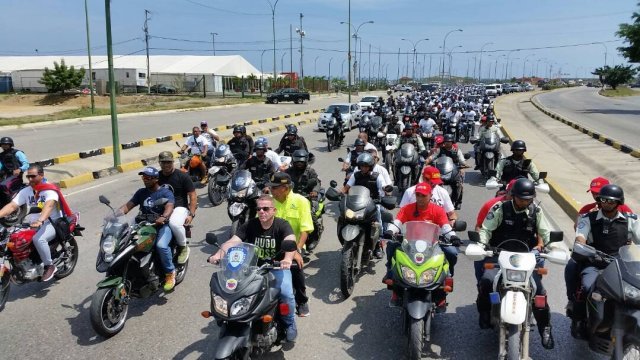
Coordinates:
600 137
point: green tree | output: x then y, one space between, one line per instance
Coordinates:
61 78
615 76
601 72
631 34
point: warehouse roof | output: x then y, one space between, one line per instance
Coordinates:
234 65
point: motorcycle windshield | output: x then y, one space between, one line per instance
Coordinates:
376 122
407 151
358 198
445 165
630 262
241 180
331 122
420 240
238 264
115 225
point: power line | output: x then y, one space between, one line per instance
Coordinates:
225 10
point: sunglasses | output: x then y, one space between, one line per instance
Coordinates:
264 208
31 176
144 177
608 201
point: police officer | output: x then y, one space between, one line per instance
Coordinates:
486 130
349 163
291 141
240 146
515 165
13 163
259 166
519 218
607 230
451 150
301 173
409 136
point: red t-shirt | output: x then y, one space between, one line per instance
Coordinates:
484 210
433 213
587 208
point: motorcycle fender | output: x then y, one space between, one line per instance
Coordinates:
513 308
110 281
350 232
232 338
417 308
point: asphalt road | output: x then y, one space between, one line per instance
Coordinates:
52 319
616 118
47 141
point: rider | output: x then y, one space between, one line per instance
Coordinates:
485 130
291 141
338 116
239 145
212 138
451 150
606 230
274 239
594 189
227 160
272 155
260 167
197 145
515 165
13 163
524 220
352 157
145 197
439 195
49 198
301 173
470 116
409 136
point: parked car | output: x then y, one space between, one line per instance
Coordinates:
351 114
288 94
506 89
529 87
498 88
367 101
401 87
490 90
163 89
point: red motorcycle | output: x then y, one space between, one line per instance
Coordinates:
20 262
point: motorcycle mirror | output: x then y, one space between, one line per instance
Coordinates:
312 159
311 183
178 144
333 194
504 140
499 120
543 175
103 199
460 225
556 236
333 183
474 236
211 239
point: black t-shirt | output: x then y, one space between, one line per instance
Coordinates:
182 185
269 242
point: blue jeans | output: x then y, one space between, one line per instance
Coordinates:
285 284
164 251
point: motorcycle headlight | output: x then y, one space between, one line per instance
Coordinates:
427 276
242 305
516 275
220 305
240 193
236 209
108 247
405 170
631 293
408 275
350 214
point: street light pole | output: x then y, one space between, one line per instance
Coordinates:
355 36
444 44
112 87
213 42
315 66
524 64
282 60
480 61
507 67
605 51
273 24
329 85
86 19
302 34
414 44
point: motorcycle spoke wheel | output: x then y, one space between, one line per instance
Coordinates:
631 351
216 195
347 270
416 338
108 315
5 286
68 258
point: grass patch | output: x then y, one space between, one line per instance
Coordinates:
125 109
620 91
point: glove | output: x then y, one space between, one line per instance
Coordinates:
455 241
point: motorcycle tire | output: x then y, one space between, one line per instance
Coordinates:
388 164
513 342
329 144
347 269
69 257
5 287
215 195
235 224
15 217
107 317
630 351
416 338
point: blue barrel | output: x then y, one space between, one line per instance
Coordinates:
5 84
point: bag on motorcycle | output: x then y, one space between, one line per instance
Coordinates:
62 227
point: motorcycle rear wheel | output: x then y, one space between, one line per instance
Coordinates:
513 342
416 338
215 195
347 270
69 258
329 144
5 286
107 316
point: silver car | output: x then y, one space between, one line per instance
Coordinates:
351 114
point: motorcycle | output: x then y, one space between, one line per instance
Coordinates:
613 306
334 134
358 231
190 164
6 196
488 146
421 278
131 265
219 177
494 184
448 171
243 193
406 164
20 262
451 127
245 304
376 136
513 297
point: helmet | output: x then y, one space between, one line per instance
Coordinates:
222 151
449 137
524 189
6 141
612 192
359 142
491 118
262 139
292 130
260 146
300 156
439 139
365 159
518 145
239 128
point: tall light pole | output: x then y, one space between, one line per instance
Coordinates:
511 66
444 45
273 24
282 61
213 42
538 62
261 71
605 51
355 36
112 87
480 61
342 68
329 86
507 67
450 60
524 64
315 66
301 32
414 45
86 19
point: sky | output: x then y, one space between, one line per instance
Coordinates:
540 33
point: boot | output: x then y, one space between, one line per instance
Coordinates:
543 320
547 338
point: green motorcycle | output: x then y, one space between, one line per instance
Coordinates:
421 278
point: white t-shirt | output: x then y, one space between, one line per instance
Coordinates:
426 125
27 196
439 196
370 146
379 182
207 136
274 157
196 145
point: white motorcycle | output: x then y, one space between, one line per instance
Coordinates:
390 149
514 288
494 184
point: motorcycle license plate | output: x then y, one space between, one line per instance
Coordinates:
405 170
236 209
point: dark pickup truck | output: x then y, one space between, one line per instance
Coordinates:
288 94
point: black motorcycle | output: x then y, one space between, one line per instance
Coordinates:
219 177
333 130
613 306
243 193
489 146
406 166
128 258
358 231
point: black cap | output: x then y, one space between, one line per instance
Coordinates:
279 178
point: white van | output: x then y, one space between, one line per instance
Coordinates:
498 88
490 90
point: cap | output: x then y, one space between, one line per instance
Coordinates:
597 184
423 188
279 178
203 123
150 171
165 156
432 174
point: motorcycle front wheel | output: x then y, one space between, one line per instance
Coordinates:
329 144
631 351
513 342
416 338
107 314
5 286
347 269
68 258
215 193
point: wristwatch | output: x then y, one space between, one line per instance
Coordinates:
192 214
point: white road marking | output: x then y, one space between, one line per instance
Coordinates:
91 187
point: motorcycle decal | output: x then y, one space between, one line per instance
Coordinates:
236 257
231 284
419 258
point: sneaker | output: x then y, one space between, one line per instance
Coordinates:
378 253
49 270
183 254
303 310
395 300
204 180
170 281
292 333
387 279
547 338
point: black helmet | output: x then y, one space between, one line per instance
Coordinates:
449 137
292 130
359 142
336 109
612 192
518 145
491 118
365 159
6 141
300 156
239 128
260 145
524 189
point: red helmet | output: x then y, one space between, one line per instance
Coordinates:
439 140
415 125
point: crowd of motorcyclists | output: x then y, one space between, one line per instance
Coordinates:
407 146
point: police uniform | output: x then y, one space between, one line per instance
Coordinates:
509 168
260 169
413 139
240 148
485 131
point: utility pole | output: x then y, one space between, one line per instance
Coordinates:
146 40
301 32
213 42
112 87
290 49
398 77
369 79
86 18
